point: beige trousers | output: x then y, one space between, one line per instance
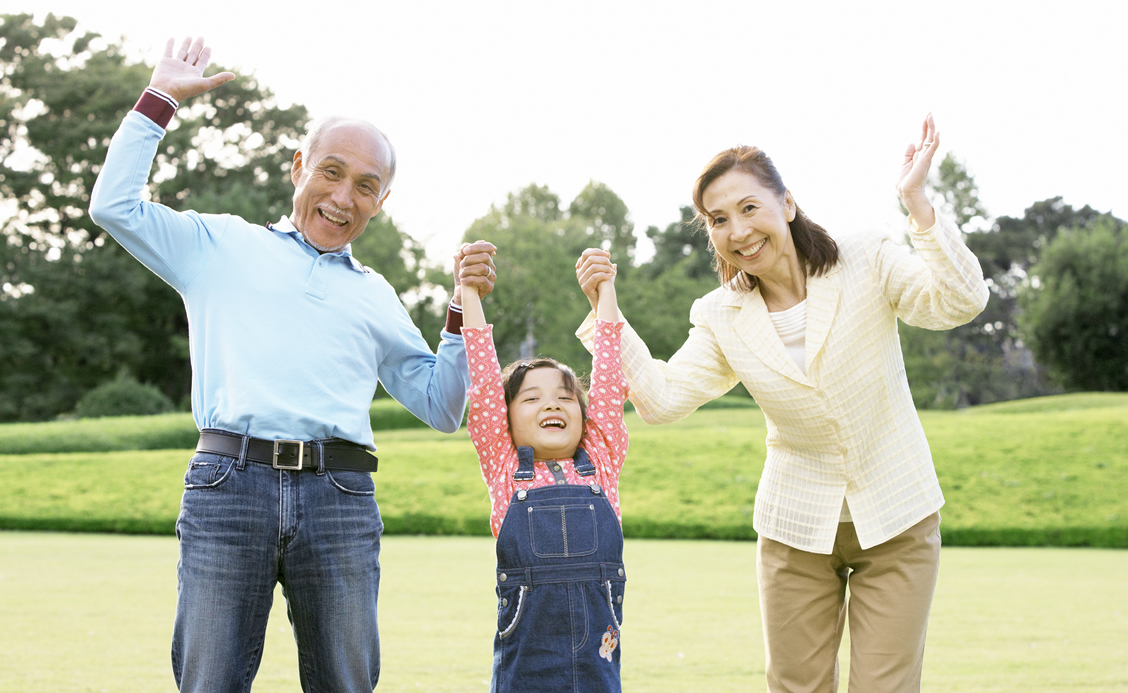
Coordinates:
803 601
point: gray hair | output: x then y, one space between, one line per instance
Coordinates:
318 128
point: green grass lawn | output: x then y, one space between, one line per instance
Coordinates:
1049 471
92 612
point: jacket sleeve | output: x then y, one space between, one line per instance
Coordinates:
938 288
662 391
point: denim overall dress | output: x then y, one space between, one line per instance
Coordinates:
560 582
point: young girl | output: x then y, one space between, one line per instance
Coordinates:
552 463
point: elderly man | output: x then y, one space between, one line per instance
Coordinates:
289 335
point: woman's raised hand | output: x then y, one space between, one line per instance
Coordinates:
182 75
592 269
914 173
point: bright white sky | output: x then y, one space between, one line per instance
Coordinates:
481 98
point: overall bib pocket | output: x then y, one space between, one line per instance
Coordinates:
563 531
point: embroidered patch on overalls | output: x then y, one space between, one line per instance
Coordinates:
610 642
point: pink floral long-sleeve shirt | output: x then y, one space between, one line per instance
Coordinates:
605 436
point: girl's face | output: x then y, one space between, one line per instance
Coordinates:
545 415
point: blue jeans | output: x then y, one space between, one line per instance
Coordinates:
244 526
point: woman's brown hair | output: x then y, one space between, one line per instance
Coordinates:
815 246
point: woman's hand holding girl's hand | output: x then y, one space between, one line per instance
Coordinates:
592 269
914 173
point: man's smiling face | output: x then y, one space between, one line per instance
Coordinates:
339 184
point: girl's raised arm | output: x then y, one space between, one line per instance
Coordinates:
472 313
596 274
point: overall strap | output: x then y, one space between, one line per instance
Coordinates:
582 464
524 464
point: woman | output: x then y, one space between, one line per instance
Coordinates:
849 495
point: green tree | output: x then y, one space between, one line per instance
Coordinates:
1076 306
537 304
959 194
658 296
608 223
680 241
399 258
75 308
986 359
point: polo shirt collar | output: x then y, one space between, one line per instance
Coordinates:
284 225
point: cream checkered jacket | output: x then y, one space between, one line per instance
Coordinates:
846 428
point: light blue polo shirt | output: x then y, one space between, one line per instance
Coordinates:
286 343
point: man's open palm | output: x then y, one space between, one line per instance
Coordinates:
181 76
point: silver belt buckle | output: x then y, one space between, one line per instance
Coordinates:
298 466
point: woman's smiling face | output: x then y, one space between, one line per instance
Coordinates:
748 224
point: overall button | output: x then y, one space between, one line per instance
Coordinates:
622 572
620 599
595 489
522 495
503 577
560 481
555 467
505 602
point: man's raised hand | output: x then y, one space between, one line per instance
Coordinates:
182 75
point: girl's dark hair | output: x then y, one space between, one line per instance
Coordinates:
513 375
815 246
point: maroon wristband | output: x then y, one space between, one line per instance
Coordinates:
157 107
453 321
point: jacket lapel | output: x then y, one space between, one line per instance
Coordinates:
758 333
822 304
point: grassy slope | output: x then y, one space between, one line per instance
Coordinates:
161 432
1052 471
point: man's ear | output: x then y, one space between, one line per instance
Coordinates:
296 168
380 204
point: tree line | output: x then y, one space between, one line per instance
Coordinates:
76 311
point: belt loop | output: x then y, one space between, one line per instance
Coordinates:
244 443
529 577
319 450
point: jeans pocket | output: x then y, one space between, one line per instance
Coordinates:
562 531
510 606
351 482
207 471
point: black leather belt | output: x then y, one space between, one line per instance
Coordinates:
293 455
